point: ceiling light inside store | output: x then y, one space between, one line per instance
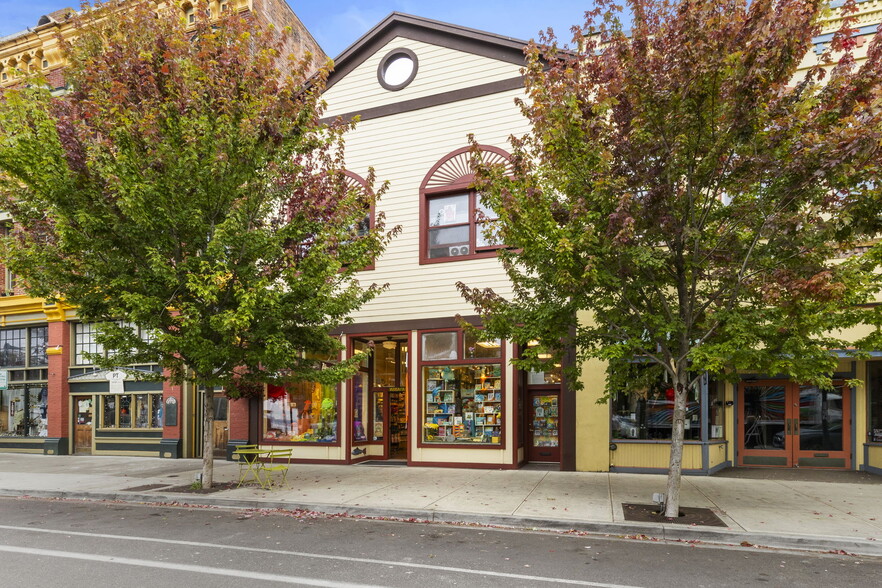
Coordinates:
389 344
494 344
532 343
543 355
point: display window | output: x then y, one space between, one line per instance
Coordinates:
716 410
300 412
874 391
462 389
23 411
131 411
647 413
463 404
360 404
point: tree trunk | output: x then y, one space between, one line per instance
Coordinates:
675 468
208 437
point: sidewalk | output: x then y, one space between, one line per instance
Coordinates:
819 511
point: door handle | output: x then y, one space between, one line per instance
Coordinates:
789 427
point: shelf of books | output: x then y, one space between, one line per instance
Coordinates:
470 415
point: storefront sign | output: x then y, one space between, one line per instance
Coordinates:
171 412
4 379
115 379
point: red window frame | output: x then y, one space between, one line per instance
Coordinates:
452 176
460 361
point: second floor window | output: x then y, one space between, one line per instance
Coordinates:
24 347
455 222
86 341
457 225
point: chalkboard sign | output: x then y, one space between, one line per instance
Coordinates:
171 412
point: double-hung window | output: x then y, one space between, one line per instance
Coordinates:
458 225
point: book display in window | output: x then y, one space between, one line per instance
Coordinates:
545 421
462 405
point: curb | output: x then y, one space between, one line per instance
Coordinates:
651 532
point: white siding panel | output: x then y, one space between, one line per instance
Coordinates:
403 148
440 70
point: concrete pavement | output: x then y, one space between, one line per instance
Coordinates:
818 511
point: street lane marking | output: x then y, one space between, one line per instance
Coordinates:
299 580
309 555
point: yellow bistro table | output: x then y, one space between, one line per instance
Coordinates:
260 464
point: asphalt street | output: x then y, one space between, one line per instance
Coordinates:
51 543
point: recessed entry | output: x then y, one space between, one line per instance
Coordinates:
397 69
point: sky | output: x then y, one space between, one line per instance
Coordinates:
338 24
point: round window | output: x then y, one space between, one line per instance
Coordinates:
397 69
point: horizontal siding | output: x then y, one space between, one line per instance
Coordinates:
653 455
439 70
403 148
466 455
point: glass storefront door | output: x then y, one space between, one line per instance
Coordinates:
785 424
543 426
379 398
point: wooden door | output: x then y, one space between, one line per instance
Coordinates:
83 409
543 426
221 423
784 424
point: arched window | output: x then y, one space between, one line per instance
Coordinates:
353 180
453 219
189 13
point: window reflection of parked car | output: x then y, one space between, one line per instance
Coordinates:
654 422
815 438
624 427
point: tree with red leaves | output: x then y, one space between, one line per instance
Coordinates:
681 202
186 184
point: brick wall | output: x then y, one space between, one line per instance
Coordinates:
58 414
279 14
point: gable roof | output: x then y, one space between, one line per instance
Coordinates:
430 31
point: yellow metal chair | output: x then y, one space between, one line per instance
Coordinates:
278 461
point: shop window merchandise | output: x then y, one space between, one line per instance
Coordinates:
300 412
462 398
131 411
24 403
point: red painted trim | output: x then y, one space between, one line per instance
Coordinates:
454 153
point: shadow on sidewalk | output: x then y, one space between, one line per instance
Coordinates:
800 475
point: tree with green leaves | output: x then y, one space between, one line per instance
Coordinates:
688 191
186 184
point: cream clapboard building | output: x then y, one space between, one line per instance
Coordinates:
420 87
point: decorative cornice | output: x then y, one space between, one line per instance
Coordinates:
11 305
56 313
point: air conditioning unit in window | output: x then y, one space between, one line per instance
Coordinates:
459 250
